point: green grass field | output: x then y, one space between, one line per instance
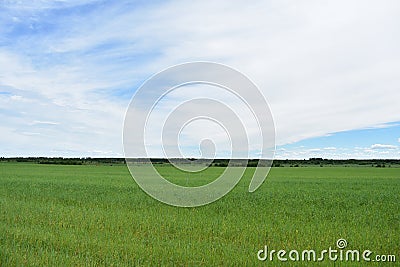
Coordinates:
90 215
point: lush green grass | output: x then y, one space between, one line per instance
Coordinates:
97 215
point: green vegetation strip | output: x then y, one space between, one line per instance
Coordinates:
96 215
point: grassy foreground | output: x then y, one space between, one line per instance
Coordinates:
96 215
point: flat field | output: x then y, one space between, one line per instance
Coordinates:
58 215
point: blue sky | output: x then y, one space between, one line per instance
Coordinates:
376 142
328 70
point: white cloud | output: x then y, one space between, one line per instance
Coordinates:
382 146
44 123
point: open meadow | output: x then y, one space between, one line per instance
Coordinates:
59 215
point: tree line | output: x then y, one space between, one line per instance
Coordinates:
380 163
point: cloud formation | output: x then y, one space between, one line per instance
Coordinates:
324 67
382 146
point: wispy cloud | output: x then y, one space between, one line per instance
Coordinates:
383 146
44 123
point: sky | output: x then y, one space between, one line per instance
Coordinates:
328 69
